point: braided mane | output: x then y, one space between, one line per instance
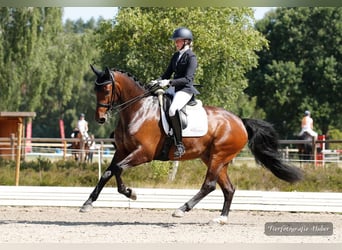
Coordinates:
135 79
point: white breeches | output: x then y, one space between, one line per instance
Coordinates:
85 134
180 99
309 131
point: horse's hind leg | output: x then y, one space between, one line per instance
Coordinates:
216 173
228 193
208 186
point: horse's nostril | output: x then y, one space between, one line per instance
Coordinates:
101 120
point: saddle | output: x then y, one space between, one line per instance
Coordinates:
194 120
75 134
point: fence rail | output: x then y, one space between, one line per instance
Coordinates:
34 146
57 148
59 145
171 198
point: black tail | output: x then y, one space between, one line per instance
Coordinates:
263 142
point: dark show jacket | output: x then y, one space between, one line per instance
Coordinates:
184 72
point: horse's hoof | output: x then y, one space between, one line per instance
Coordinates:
220 220
133 195
86 208
178 213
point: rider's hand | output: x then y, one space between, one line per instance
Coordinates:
164 83
153 82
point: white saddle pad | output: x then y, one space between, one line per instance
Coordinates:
197 121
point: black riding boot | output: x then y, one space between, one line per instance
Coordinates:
177 134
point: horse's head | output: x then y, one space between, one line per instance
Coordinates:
116 89
105 93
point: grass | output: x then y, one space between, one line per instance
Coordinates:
190 174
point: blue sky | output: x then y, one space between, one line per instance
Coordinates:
86 13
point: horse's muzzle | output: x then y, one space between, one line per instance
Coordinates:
101 119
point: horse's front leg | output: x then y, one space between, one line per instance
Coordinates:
137 157
134 159
110 171
122 189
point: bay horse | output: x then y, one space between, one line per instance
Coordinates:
80 147
139 138
305 151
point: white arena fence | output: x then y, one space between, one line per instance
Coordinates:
57 148
54 148
171 199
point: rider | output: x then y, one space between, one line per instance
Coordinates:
183 65
307 125
82 125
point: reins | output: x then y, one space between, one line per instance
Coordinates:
120 107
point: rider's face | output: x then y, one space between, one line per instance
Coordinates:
179 44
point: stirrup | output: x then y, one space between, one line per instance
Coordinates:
179 151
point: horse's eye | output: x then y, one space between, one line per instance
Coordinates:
106 90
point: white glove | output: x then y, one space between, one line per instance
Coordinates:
164 83
154 82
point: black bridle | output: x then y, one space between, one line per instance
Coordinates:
119 107
111 80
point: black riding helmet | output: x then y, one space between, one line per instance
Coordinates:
182 33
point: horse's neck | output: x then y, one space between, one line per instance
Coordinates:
145 109
128 88
135 107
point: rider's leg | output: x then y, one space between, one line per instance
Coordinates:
313 133
180 99
177 134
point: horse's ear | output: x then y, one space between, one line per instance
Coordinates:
107 71
97 72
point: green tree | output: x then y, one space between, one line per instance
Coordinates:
225 43
301 70
25 32
79 26
71 92
45 68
